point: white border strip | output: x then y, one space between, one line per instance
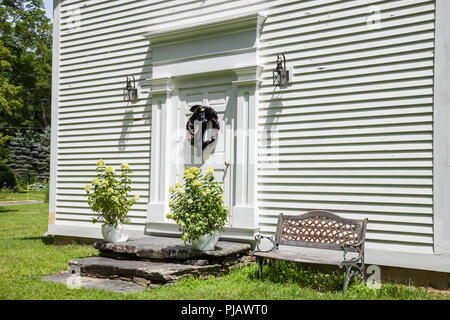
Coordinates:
55 96
441 134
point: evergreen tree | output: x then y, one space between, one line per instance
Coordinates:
22 152
43 155
30 156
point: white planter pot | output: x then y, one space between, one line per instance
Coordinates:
207 242
114 234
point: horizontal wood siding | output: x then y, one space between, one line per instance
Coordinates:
94 121
101 42
353 130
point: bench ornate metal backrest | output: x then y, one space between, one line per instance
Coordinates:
324 230
321 229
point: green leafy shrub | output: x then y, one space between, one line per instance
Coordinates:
22 184
7 177
109 196
38 186
197 205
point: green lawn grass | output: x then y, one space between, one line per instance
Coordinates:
22 196
25 256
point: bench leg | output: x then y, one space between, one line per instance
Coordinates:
357 272
260 266
363 272
347 278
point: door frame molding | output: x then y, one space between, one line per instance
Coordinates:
207 50
166 111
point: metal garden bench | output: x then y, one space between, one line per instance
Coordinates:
321 230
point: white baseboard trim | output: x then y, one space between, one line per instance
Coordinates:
229 234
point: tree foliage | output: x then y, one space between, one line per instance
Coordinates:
7 176
25 64
25 88
4 150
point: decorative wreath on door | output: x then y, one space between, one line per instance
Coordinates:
202 114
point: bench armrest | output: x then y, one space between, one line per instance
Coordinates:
346 247
259 237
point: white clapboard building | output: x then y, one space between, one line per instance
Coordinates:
361 128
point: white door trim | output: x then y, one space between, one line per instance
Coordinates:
206 50
165 120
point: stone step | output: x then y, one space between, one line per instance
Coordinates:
144 273
77 282
166 249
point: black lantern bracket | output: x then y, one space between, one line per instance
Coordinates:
281 75
130 93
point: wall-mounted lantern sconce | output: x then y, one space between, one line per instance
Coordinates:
280 74
130 92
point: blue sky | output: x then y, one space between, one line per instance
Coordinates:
49 8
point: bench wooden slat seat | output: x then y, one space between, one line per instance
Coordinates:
319 230
298 257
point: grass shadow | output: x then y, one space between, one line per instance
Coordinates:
6 209
45 240
328 280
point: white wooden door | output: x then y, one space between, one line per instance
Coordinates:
220 154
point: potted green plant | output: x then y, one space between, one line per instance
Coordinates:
197 206
109 197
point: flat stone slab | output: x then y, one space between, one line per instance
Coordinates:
77 282
136 270
164 248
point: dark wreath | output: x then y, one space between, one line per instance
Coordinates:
202 114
